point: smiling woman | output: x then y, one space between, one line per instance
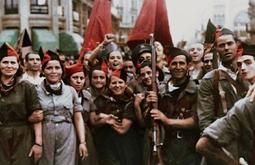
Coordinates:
117 139
18 102
62 115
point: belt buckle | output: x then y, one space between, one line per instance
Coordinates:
179 135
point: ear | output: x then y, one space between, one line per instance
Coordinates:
157 74
189 65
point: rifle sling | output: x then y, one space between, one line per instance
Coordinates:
216 94
238 88
219 93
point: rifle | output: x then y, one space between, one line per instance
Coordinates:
156 158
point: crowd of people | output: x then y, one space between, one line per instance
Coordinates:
100 109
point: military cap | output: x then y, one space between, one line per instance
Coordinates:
139 49
69 70
248 50
7 50
48 56
120 73
223 31
174 51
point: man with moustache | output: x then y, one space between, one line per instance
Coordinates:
177 112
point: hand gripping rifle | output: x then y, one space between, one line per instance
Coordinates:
156 156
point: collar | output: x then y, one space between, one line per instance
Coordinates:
232 74
49 93
190 88
85 94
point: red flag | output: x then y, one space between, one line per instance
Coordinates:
100 23
152 19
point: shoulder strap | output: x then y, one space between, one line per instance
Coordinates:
216 94
238 88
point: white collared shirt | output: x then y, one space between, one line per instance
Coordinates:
232 74
34 80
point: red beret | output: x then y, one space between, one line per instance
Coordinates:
78 67
48 56
7 50
120 73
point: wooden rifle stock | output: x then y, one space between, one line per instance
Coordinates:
156 158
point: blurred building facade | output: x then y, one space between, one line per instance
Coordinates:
251 25
51 23
232 14
128 10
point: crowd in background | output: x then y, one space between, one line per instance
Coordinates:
98 109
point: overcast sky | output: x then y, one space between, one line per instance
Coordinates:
185 16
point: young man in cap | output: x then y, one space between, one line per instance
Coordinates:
231 139
141 53
222 87
177 112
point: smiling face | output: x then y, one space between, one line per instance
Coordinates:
196 51
129 66
9 66
227 48
208 61
115 60
178 67
53 71
77 80
98 79
146 75
117 86
246 67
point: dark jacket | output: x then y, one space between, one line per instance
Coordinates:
209 104
179 143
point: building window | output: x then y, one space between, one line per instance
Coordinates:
39 7
76 15
11 7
